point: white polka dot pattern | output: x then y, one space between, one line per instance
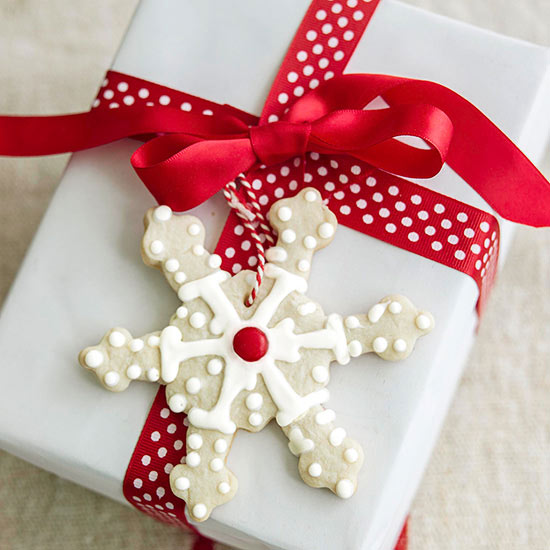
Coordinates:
159 448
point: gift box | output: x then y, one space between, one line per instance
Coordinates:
86 259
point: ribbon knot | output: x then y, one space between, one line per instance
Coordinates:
279 141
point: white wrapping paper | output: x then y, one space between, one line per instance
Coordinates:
83 274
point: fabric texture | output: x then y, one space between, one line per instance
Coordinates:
488 483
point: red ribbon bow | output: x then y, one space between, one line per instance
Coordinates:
195 155
200 165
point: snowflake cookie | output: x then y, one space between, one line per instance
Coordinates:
230 367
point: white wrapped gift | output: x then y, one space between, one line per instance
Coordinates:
84 274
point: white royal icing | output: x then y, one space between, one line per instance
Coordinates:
220 445
171 265
423 322
224 487
284 213
376 312
380 344
239 375
299 444
136 345
133 372
345 488
94 358
254 401
163 213
117 339
399 345
307 308
182 483
194 441
315 469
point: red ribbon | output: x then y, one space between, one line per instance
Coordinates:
199 154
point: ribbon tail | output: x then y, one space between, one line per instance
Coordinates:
183 172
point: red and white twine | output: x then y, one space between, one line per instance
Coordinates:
249 211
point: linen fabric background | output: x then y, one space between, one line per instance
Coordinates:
488 483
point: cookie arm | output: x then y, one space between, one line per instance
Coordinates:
174 244
328 457
119 359
204 481
389 329
303 225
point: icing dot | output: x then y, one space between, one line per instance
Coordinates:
351 322
254 401
153 375
198 250
276 254
177 402
311 196
395 308
153 341
255 419
156 247
400 345
193 385
375 312
214 366
325 230
194 441
337 436
380 344
197 320
133 372
303 266
224 487
355 348
93 359
182 312
307 308
214 261
216 464
344 488
288 236
194 229
193 459
220 445
111 379
315 469
310 242
182 483
422 322
324 417
117 339
136 345
164 100
163 213
284 213
180 277
351 455
319 374
172 265
199 510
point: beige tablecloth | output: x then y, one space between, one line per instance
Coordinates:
488 484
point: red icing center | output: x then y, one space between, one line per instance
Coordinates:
250 344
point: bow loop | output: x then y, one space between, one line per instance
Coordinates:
279 141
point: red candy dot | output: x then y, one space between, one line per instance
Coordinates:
250 344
